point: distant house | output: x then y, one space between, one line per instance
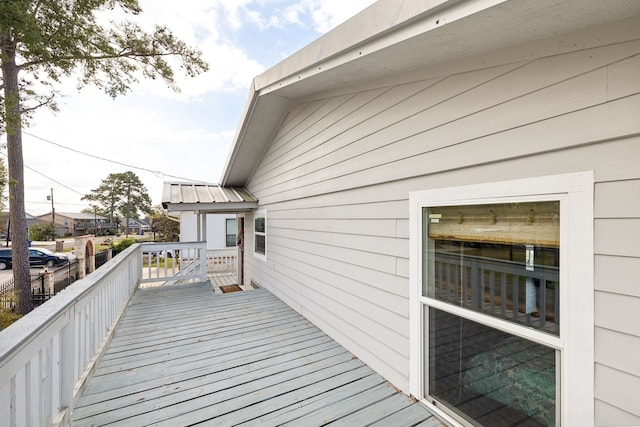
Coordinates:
78 224
137 226
145 224
450 190
5 224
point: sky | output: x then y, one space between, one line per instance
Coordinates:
158 134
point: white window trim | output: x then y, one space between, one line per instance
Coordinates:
257 214
577 377
226 232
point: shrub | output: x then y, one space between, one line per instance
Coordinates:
123 244
41 231
7 315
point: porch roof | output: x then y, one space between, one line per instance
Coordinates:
207 198
182 355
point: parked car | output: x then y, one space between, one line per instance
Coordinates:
37 257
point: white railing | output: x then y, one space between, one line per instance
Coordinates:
46 356
165 262
222 260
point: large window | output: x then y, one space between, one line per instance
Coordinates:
260 234
498 342
501 260
498 259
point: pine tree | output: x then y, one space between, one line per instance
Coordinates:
121 192
43 41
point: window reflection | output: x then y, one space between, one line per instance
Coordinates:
489 377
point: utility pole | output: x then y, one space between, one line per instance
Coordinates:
53 214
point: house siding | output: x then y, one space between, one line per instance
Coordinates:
216 229
336 178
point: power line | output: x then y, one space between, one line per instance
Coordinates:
156 173
57 203
47 177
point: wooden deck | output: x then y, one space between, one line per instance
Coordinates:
222 279
183 355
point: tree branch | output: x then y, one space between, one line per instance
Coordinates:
123 54
40 104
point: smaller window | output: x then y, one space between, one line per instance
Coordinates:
260 234
232 231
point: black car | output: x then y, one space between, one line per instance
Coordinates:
37 257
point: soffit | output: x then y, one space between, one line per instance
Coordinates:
394 36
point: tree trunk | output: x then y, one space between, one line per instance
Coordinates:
19 238
128 210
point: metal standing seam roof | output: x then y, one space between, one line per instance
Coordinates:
184 196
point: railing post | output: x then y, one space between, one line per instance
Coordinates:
203 262
476 284
67 360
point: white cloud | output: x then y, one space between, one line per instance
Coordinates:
230 69
155 128
325 14
136 137
199 23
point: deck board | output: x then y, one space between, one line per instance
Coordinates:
222 279
184 355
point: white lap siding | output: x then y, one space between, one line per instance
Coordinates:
336 178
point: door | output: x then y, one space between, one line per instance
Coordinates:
240 244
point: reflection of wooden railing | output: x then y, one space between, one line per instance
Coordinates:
503 289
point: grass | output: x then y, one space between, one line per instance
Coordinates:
168 263
8 316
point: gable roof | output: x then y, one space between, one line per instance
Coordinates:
4 219
203 197
75 215
394 36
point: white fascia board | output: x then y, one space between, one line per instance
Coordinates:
395 36
382 40
245 119
384 24
220 207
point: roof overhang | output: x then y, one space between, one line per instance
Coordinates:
394 36
206 198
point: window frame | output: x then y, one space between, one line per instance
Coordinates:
576 340
226 233
261 213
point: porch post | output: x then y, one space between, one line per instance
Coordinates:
198 224
203 236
